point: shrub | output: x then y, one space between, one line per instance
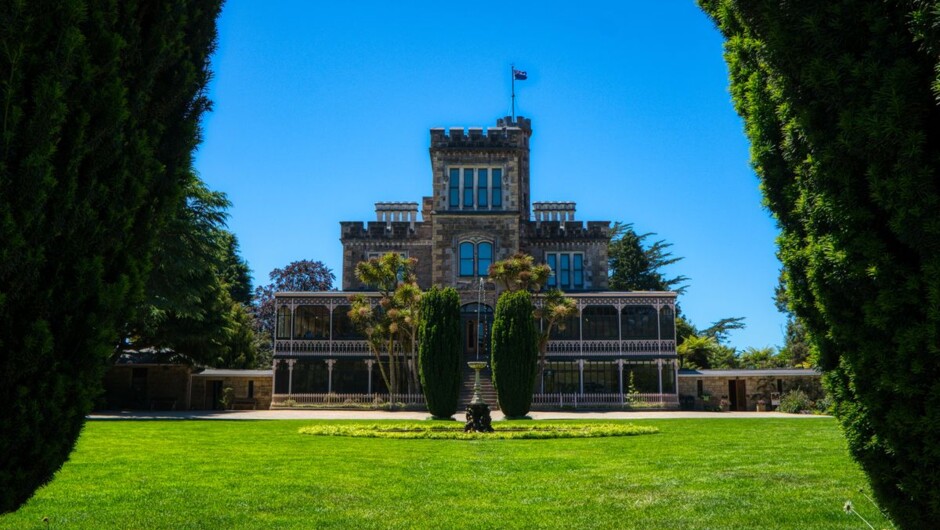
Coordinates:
515 353
794 402
439 353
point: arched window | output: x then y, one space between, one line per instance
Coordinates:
343 327
475 260
567 329
466 259
667 323
484 258
313 323
600 322
283 322
639 323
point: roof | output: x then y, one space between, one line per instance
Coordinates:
213 372
771 372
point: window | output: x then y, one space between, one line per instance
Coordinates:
497 188
475 260
283 322
567 270
600 323
484 258
251 389
468 188
474 188
639 323
454 188
466 259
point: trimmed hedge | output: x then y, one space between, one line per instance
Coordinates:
515 353
439 353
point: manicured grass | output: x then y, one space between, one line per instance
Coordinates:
709 473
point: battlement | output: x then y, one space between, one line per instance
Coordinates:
553 211
351 230
568 230
508 133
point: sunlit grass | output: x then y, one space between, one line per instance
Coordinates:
709 473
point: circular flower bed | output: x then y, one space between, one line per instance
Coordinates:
503 430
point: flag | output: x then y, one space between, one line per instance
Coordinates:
519 74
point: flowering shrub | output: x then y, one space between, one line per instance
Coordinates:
794 402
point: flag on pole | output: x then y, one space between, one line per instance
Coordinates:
519 74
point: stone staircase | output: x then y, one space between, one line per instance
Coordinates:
486 388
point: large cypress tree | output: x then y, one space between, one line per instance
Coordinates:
514 352
439 352
100 102
840 101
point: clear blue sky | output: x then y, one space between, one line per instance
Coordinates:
322 109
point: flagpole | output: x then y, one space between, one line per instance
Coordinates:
512 75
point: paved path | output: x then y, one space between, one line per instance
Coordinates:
413 415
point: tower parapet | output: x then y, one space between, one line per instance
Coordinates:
506 134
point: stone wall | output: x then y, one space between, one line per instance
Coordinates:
571 236
451 229
201 390
756 387
360 239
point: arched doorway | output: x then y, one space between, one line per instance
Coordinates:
476 321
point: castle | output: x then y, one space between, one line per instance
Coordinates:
479 212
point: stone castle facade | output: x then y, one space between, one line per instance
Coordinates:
478 213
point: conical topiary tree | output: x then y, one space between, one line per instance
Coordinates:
439 350
514 352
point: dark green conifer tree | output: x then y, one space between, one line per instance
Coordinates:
100 102
439 352
840 102
515 352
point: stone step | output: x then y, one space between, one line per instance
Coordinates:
487 391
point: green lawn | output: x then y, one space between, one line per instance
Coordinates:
709 473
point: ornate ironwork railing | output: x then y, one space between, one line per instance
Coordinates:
353 400
338 348
627 401
612 348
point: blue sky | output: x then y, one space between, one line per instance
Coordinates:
322 109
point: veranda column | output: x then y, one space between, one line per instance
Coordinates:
290 376
329 375
620 376
369 364
581 374
659 363
619 307
331 325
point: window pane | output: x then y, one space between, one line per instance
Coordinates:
466 259
454 188
468 188
578 270
283 322
482 190
497 188
484 258
565 279
553 278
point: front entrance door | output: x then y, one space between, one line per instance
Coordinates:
475 323
737 394
214 395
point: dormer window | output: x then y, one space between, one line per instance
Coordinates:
475 188
475 260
